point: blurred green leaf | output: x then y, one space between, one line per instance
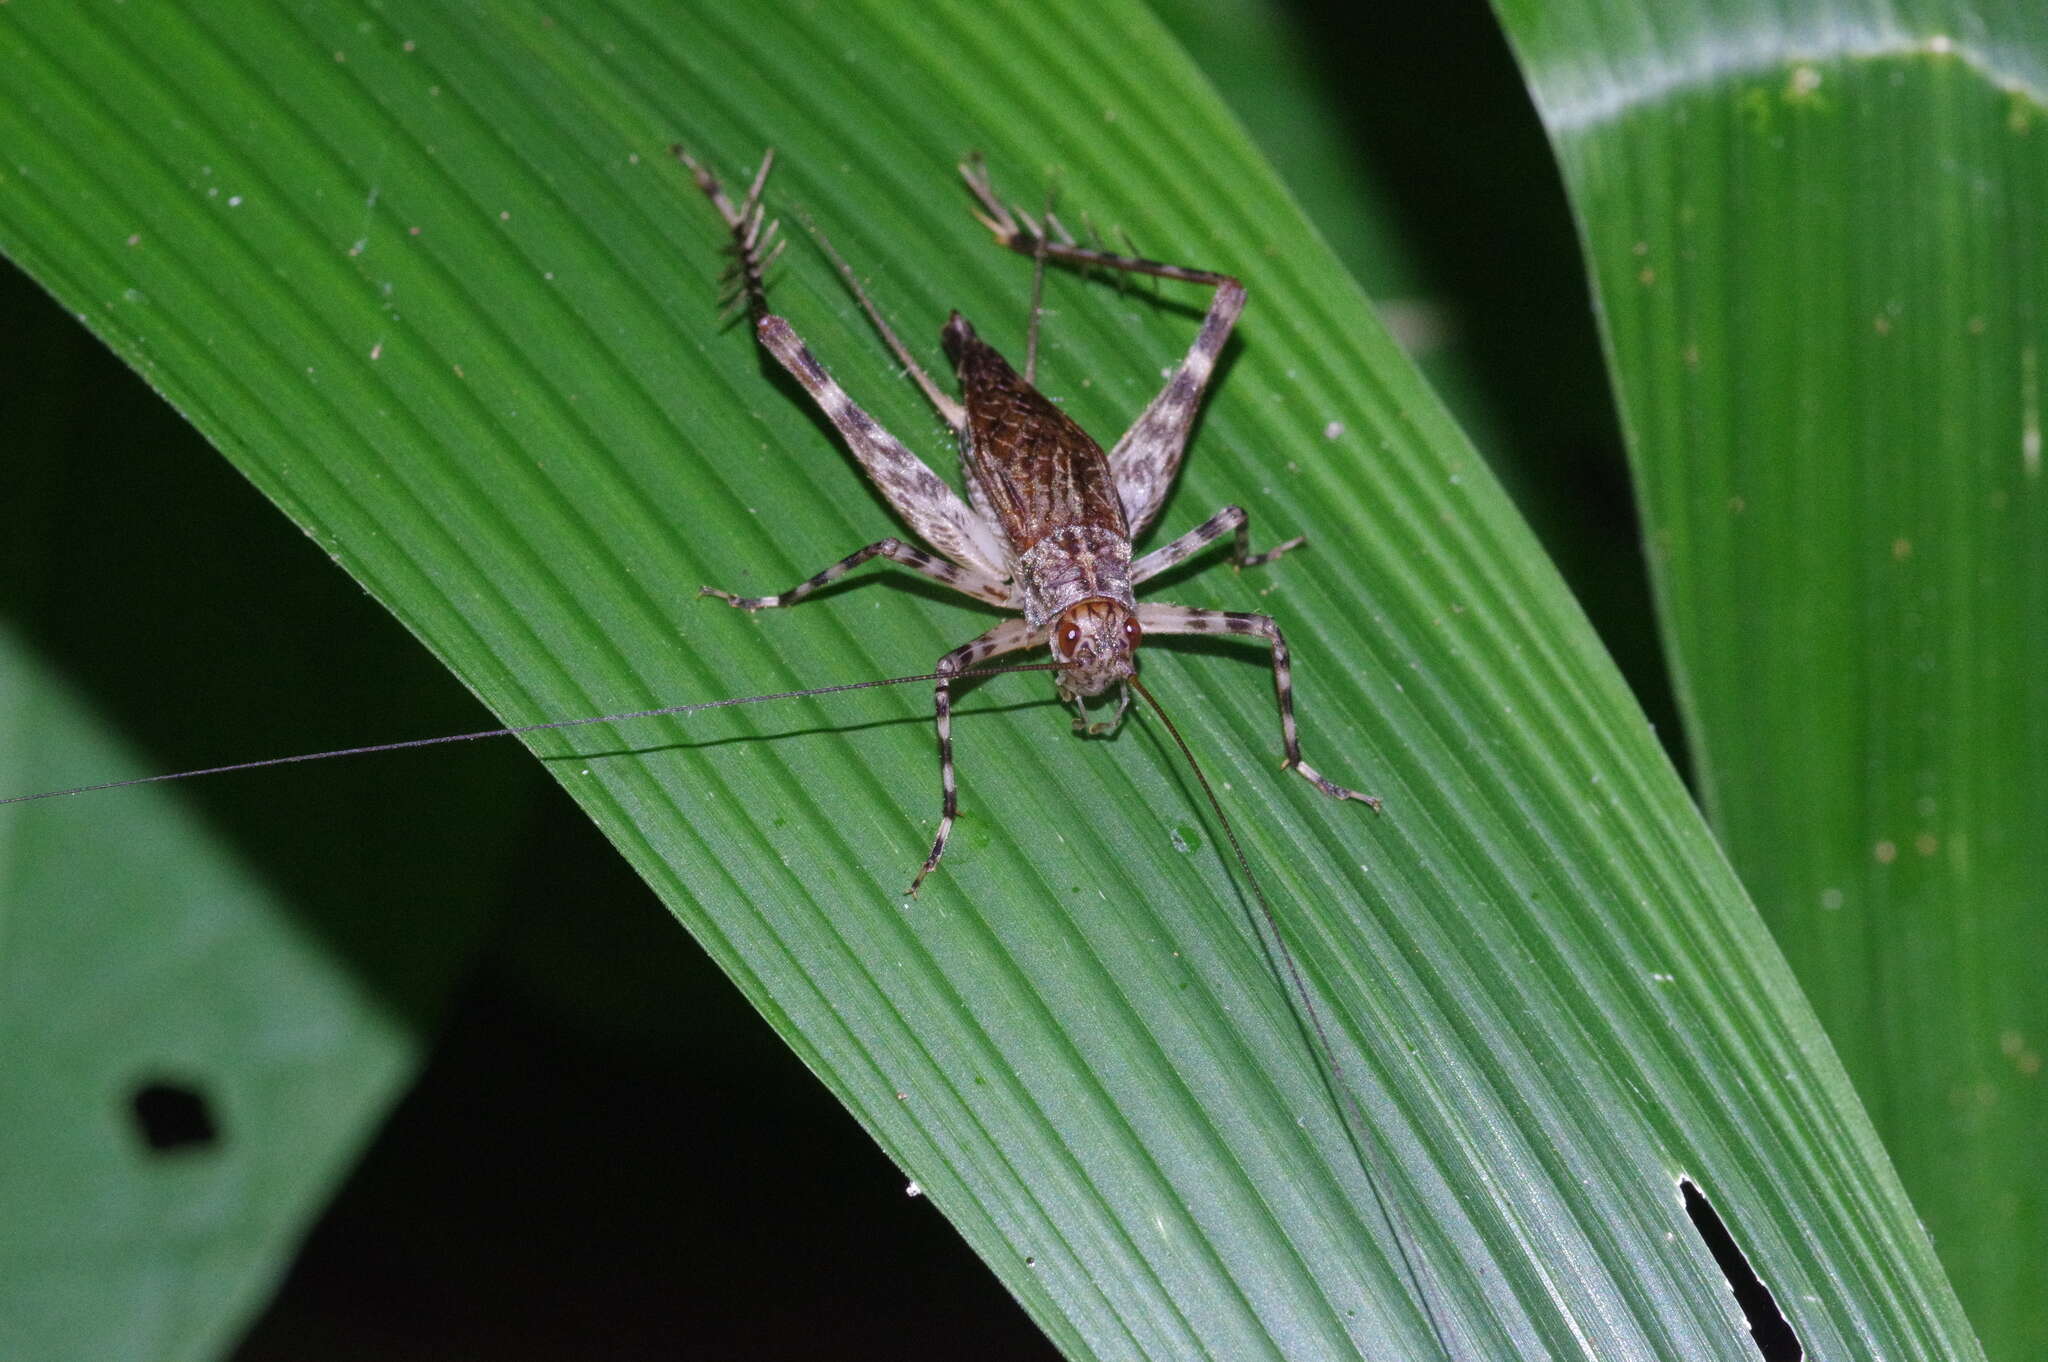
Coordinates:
1816 232
435 287
208 998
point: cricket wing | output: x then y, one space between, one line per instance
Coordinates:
1037 469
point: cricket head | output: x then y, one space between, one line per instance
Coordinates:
1095 643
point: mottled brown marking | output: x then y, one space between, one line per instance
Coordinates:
1039 470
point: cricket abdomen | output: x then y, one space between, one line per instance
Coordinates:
1038 469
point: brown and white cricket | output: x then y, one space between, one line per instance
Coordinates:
1047 527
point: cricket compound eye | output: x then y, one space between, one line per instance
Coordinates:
1133 635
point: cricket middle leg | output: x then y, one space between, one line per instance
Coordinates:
1007 637
1158 619
1225 521
969 581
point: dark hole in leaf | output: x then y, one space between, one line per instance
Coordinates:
172 1116
1767 1324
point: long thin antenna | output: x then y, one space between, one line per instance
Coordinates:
515 731
1355 1127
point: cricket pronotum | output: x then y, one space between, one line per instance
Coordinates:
1047 527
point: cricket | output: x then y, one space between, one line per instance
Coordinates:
1047 528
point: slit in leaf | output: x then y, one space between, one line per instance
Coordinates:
1768 1327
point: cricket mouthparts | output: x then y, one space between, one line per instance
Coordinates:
1095 643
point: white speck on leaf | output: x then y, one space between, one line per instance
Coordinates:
2030 411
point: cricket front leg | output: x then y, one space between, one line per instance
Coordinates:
1007 637
969 581
1156 620
1230 518
1084 727
1146 459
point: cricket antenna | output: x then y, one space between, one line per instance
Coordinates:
1356 1125
516 730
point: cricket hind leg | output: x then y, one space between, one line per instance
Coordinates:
1020 232
754 241
1007 637
920 496
1225 521
968 581
1159 619
1148 456
756 248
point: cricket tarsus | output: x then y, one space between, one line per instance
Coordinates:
1047 525
663 711
1357 1126
753 242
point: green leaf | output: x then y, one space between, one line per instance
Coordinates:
1818 256
436 288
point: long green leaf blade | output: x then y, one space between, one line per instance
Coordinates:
1816 231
